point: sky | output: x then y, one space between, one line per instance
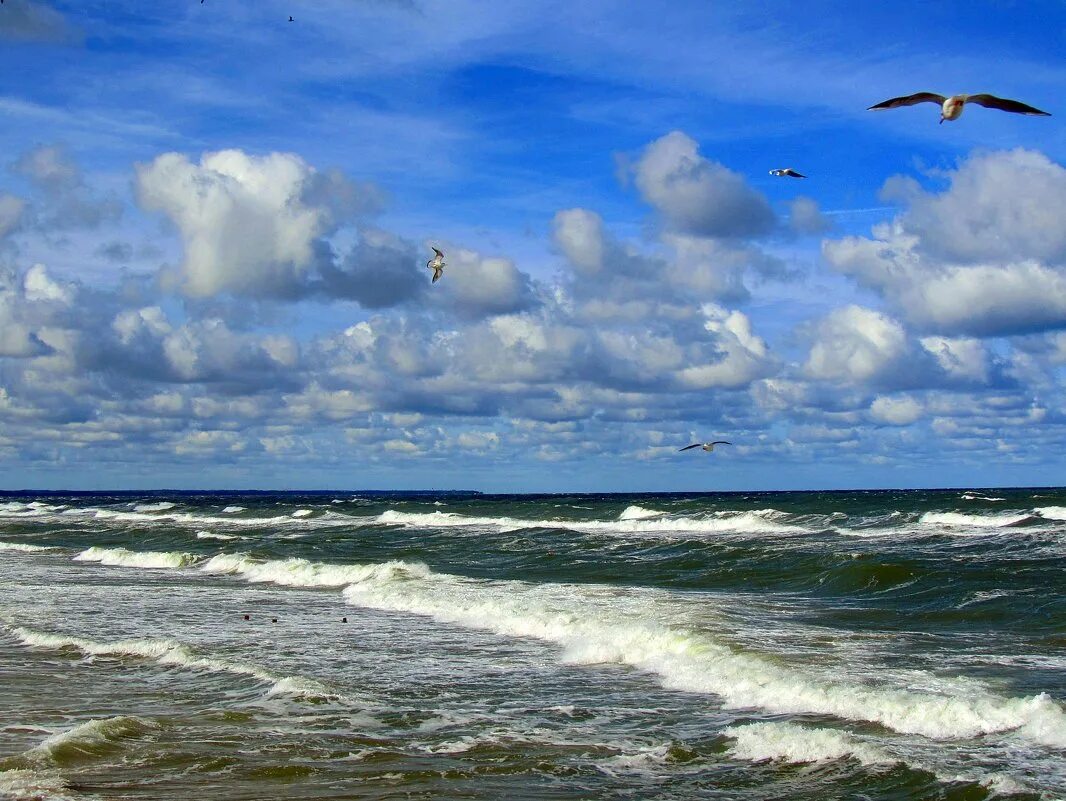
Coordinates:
214 225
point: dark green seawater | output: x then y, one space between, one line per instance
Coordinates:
862 645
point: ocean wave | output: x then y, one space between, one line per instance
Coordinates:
303 573
302 513
121 557
730 522
232 510
162 506
172 652
20 546
969 496
207 535
91 739
957 520
788 742
1051 512
639 513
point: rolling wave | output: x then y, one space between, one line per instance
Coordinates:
788 742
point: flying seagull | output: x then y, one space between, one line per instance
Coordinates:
291 19
791 173
436 264
951 107
707 446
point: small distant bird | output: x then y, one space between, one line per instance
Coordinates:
707 446
791 173
291 19
951 107
436 264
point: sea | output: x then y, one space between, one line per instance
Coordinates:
353 645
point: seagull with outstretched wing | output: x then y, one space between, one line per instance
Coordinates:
951 107
436 264
707 446
787 173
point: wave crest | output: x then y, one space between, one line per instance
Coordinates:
121 557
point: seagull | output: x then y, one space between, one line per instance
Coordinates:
791 173
707 446
436 264
951 107
291 19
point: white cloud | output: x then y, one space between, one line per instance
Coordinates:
245 227
895 411
699 196
986 257
856 344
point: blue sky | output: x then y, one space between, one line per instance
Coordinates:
214 225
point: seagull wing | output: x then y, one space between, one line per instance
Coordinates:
909 100
991 101
690 447
437 273
439 254
794 174
721 442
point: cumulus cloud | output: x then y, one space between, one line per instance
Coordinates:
696 195
857 344
244 223
478 286
985 257
1000 206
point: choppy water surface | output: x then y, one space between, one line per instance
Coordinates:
877 645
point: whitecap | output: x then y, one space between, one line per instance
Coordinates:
232 510
302 513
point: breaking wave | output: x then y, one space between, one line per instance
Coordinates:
120 557
639 513
162 506
1052 512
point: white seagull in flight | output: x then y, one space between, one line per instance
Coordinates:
951 107
436 264
789 172
707 446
